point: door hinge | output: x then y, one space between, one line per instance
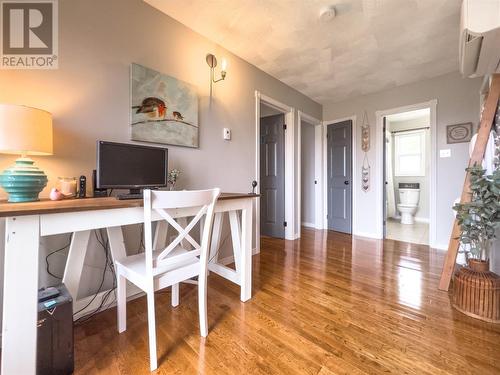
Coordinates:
284 126
284 224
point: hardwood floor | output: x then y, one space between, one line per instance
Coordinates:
325 304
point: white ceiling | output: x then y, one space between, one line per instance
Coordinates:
371 45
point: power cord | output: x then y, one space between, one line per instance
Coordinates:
108 264
54 252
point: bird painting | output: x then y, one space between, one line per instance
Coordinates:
177 116
153 107
150 119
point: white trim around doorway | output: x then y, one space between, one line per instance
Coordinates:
289 164
378 170
355 182
318 175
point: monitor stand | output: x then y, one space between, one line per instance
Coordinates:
132 194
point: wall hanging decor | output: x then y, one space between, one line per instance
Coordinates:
365 134
459 133
365 146
365 174
164 109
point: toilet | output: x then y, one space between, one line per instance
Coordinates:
409 194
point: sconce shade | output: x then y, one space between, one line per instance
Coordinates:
25 130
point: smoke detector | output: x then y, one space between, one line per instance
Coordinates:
327 14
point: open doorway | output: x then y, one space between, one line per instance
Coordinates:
407 174
310 170
308 179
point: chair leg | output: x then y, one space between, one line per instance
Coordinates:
202 305
175 295
152 330
121 302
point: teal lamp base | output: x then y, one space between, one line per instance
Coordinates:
23 181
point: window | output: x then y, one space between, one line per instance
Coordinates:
409 153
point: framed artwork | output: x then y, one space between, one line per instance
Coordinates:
164 109
459 133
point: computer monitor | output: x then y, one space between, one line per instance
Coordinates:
127 166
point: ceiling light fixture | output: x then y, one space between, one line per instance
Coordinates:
327 14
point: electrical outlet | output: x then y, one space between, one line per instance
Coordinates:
227 134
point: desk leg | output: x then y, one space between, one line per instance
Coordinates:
213 255
116 243
22 235
161 235
74 263
246 251
235 224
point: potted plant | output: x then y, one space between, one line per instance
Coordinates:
476 289
172 177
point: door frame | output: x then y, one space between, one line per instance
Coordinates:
378 170
318 166
289 164
353 169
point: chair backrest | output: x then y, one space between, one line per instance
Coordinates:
200 203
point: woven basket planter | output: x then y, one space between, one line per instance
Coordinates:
476 291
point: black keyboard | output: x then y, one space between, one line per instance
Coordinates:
129 196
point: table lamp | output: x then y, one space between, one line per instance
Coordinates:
24 131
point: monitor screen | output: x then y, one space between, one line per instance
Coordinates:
127 166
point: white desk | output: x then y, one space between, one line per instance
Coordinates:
27 222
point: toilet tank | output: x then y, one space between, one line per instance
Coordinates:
409 193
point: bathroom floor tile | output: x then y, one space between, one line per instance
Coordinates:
415 233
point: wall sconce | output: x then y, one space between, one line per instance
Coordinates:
212 63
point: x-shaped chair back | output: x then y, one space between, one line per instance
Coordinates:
164 202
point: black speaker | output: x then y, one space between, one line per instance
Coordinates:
82 189
97 193
55 355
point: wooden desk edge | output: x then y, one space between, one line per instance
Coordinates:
46 206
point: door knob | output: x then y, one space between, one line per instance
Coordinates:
346 182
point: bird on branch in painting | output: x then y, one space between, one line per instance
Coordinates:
153 107
177 116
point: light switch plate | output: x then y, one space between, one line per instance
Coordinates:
227 134
446 153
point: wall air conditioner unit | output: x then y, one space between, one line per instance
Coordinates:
480 38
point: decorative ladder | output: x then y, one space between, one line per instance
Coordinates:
487 120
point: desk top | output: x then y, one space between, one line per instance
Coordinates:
46 206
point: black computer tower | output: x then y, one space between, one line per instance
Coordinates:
55 334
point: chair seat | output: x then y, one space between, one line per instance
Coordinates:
137 263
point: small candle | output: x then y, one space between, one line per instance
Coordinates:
67 186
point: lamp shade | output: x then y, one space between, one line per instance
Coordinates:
25 130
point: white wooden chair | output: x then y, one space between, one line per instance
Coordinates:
157 269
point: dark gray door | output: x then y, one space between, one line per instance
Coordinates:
272 176
339 176
384 202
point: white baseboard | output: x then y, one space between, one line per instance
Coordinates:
133 292
230 259
422 219
417 219
367 235
308 225
439 246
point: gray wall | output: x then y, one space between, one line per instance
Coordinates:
89 98
424 201
458 101
307 174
